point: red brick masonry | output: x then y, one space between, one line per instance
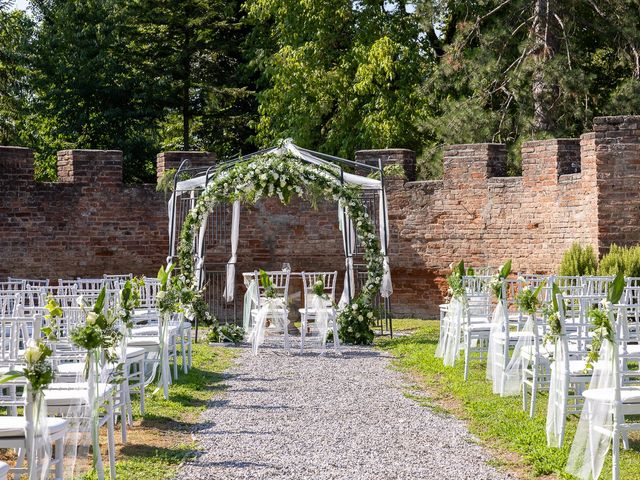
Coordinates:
89 222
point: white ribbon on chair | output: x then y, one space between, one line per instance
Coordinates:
592 440
513 374
495 367
273 308
231 264
250 299
40 443
558 390
319 304
449 349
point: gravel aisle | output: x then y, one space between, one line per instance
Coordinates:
311 417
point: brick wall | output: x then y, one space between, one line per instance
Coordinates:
571 190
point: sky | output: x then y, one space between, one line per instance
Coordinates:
22 4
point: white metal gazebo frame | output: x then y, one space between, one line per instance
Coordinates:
201 176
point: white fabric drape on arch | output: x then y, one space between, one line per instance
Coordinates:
230 287
349 277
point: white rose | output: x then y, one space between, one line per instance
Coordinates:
370 315
91 318
360 317
160 295
354 307
33 353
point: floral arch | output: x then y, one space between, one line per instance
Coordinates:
284 172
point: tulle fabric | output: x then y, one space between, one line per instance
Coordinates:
495 365
40 442
449 346
165 375
513 374
250 299
591 442
558 392
272 309
323 313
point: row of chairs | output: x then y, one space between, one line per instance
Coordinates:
22 318
261 309
518 350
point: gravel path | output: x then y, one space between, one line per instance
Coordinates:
311 417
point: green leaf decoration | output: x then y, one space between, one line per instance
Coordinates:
536 292
460 268
555 291
9 376
99 305
506 269
616 288
470 272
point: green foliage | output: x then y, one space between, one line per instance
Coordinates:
529 300
578 261
621 259
455 281
337 75
227 333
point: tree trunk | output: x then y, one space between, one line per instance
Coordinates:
544 49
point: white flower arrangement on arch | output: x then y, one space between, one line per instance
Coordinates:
283 176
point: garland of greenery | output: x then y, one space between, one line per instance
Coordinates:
282 176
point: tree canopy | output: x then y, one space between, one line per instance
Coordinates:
335 75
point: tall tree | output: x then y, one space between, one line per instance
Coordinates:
512 70
195 47
337 75
16 33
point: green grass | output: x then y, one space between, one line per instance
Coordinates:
499 423
161 440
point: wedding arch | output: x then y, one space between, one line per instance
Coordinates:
285 171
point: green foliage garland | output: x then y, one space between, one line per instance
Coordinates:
283 176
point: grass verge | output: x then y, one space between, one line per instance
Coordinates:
161 440
519 442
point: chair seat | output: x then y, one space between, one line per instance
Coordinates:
576 367
477 327
69 394
69 369
276 311
133 353
627 394
152 330
146 341
14 427
513 336
314 311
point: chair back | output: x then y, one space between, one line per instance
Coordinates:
280 283
596 285
31 282
329 279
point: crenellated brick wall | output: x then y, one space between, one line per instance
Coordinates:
571 190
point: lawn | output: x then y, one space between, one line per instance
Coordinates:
161 440
517 441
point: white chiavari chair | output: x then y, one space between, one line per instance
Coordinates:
310 312
31 282
277 317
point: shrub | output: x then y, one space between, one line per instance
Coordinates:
621 259
228 333
578 261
